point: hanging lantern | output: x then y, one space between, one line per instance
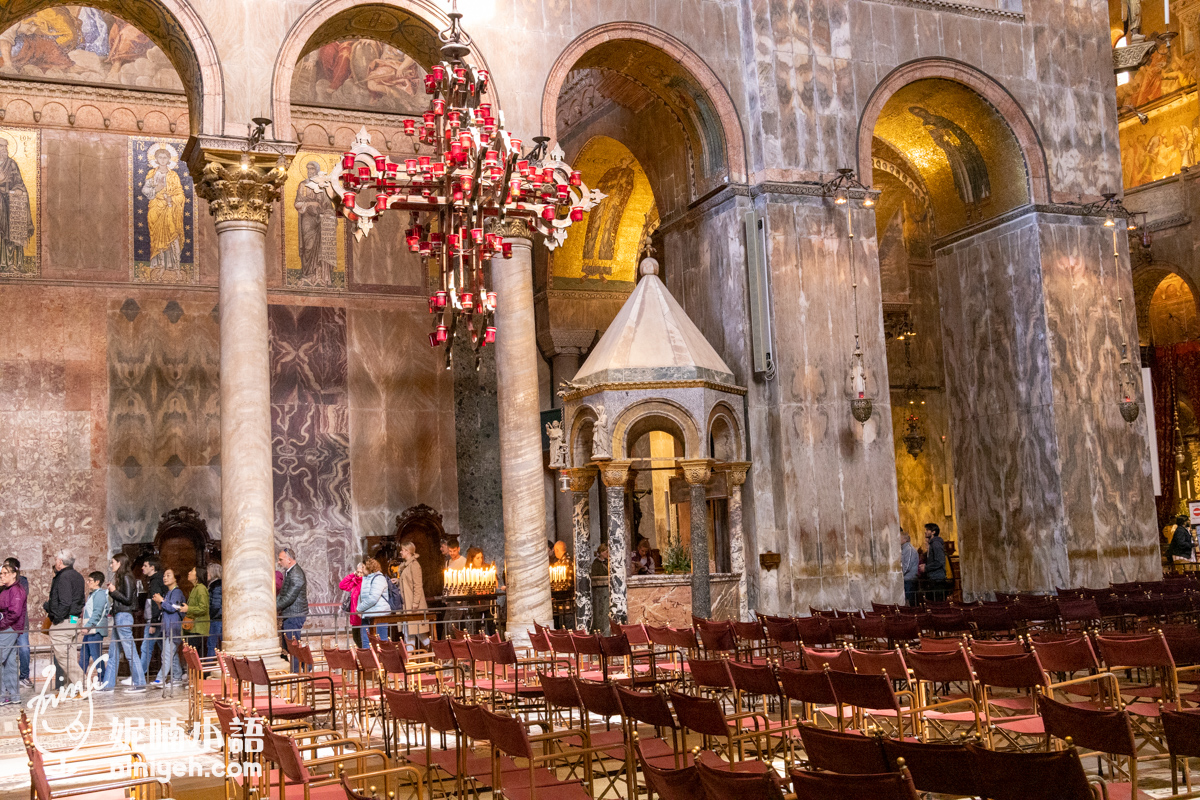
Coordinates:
914 436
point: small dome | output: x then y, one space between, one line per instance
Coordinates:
652 339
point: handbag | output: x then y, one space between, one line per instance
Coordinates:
346 603
188 623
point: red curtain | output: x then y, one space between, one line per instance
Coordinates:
1176 372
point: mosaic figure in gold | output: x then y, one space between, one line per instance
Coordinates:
966 161
318 229
164 216
16 221
604 222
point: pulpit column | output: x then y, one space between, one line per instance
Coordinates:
735 476
697 472
615 475
581 484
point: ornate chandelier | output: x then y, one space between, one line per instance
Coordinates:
465 178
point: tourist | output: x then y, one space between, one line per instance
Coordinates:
560 557
352 584
550 550
642 563
12 621
95 619
64 607
214 608
152 634
173 607
474 558
23 636
197 613
909 565
292 601
1182 542
935 560
412 589
373 600
122 591
453 551
445 551
600 591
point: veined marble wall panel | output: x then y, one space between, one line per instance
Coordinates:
164 411
402 444
310 432
1106 464
53 431
477 446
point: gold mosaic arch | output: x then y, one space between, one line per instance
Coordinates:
966 154
177 29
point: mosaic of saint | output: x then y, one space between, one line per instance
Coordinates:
360 74
960 147
19 186
605 256
85 45
314 249
162 207
1165 145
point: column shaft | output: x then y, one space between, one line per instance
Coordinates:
583 560
701 590
618 548
247 494
521 470
737 549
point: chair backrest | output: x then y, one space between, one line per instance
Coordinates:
755 680
1182 732
1183 640
872 692
992 618
939 768
671 784
404 706
1105 731
461 651
442 650
1029 776
1066 655
539 642
870 628
717 636
508 735
615 646
471 721
393 660
814 630
1078 609
659 635
599 698
684 638
438 713
749 631
257 672
827 785
365 657
999 647
559 691
636 634
586 644
806 686
838 660
283 751
878 662
943 667
742 785
928 645
1149 650
902 627
844 753
1022 671
648 708
503 653
781 630
699 714
710 673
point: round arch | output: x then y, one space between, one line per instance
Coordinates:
177 29
644 416
985 86
1146 280
731 125
427 12
722 423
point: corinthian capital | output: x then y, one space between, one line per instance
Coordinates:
697 471
238 185
615 473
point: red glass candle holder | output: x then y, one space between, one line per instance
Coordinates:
468 183
348 199
466 300
381 202
439 106
564 191
440 298
430 84
439 169
577 214
439 73
523 168
489 335
576 178
424 162
548 213
507 249
410 166
348 161
442 333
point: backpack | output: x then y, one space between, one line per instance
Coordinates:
394 597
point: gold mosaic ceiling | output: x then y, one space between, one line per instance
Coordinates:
967 157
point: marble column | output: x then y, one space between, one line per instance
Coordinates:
564 349
735 477
241 200
697 472
615 475
581 485
521 468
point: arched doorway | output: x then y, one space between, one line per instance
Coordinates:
983 300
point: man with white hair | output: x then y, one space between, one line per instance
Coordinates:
64 607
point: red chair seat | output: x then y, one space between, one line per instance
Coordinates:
1016 704
1122 791
1025 726
1148 709
560 791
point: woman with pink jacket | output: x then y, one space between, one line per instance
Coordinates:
352 583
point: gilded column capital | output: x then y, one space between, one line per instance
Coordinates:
697 471
735 472
513 228
581 478
615 473
238 185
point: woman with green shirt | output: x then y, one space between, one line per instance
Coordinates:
197 613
